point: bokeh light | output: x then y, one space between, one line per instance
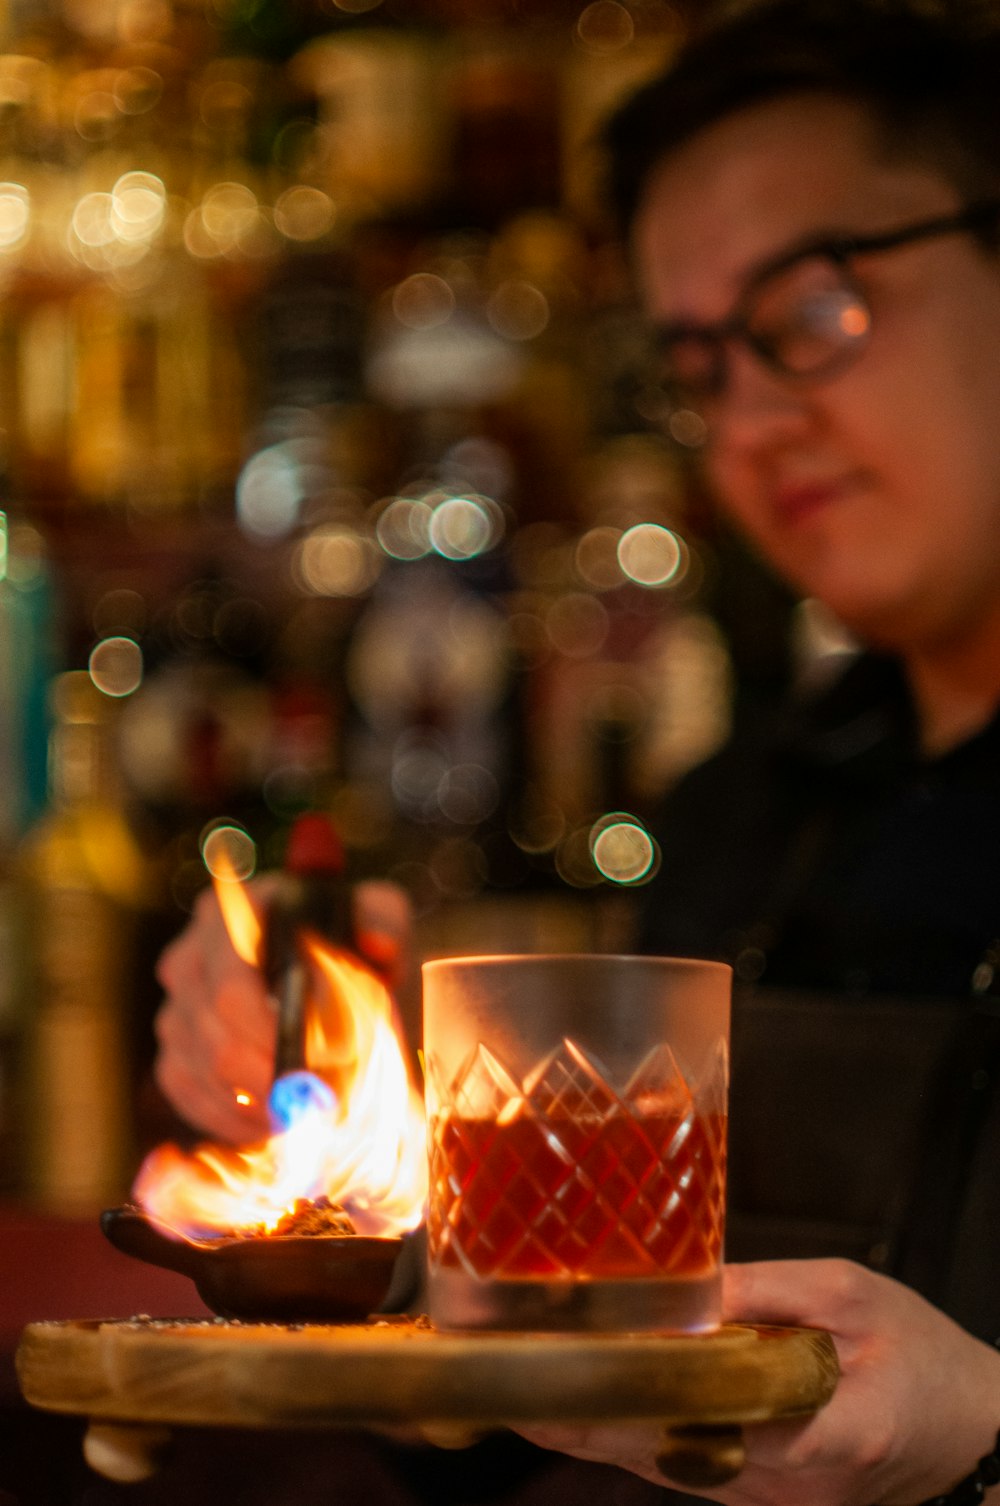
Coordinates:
269 492
91 236
25 552
518 310
137 90
687 428
423 301
116 666
652 555
605 26
419 766
463 527
336 560
538 825
229 221
15 216
403 528
468 794
138 205
304 214
622 849
228 851
596 558
574 861
120 610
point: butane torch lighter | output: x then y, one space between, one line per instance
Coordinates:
312 895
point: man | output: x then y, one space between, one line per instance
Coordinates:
812 196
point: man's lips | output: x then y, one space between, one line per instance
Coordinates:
796 502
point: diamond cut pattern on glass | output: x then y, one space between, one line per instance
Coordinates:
562 1176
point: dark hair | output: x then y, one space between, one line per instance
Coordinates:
927 73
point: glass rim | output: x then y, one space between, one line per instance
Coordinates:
523 959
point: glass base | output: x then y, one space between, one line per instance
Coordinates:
642 1305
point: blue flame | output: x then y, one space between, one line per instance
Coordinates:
296 1094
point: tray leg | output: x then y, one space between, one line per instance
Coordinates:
125 1452
701 1454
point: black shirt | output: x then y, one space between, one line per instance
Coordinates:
823 851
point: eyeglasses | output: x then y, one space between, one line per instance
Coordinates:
804 315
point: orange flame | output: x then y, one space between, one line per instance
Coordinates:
242 922
360 1141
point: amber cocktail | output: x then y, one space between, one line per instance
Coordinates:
577 1122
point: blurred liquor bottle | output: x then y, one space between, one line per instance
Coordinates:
83 877
26 657
163 236
121 375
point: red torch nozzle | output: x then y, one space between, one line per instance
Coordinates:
314 847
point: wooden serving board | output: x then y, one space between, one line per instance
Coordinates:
270 1375
155 1372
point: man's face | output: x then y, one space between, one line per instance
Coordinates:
876 489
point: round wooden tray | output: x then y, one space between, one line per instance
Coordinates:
156 1372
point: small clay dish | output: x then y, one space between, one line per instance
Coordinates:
284 1278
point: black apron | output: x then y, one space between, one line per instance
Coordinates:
869 1128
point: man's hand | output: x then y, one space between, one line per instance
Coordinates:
216 1026
916 1407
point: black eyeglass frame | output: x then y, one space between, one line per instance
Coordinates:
840 250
